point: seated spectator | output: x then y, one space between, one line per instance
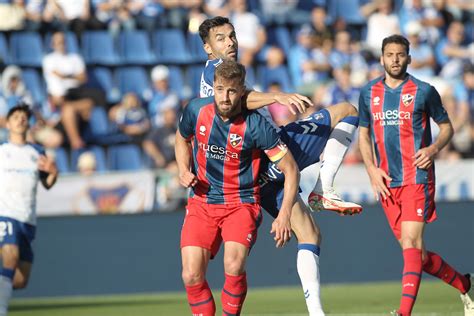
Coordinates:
319 23
346 54
130 117
34 15
275 70
423 62
13 88
66 15
86 164
147 14
12 15
65 75
342 89
162 97
114 15
428 17
250 32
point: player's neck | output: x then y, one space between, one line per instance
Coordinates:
394 82
17 139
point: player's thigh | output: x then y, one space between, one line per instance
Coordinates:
412 234
303 224
241 224
10 256
22 275
235 256
194 263
340 111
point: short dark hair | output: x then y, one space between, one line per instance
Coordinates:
21 107
208 24
230 70
397 39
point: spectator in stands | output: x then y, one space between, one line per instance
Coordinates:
319 22
423 62
147 14
86 163
130 117
46 130
283 12
451 52
342 89
13 88
34 15
216 7
275 69
65 75
12 15
67 15
427 16
250 32
346 54
381 22
163 97
114 15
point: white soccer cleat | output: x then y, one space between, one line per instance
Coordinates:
394 313
467 298
329 200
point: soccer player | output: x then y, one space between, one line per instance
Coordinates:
330 130
22 165
395 112
218 150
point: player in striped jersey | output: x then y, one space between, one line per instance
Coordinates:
219 146
22 165
395 112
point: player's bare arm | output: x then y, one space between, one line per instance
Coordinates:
424 157
281 225
183 158
47 164
256 100
378 177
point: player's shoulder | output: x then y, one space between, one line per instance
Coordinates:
196 104
371 83
420 84
37 148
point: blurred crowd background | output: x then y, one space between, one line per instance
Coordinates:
107 90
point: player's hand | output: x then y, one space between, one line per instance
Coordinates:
294 100
281 227
187 179
378 180
424 157
47 164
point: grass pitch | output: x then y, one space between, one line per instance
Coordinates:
434 299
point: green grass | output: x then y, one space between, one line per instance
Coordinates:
434 299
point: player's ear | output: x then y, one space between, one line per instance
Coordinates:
409 59
381 60
207 48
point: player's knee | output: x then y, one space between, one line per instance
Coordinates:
234 266
192 277
10 256
410 242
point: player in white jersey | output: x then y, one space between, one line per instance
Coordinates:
22 166
220 42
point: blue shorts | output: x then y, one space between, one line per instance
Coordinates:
18 233
306 140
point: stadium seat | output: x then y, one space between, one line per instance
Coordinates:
176 81
35 84
196 49
4 54
99 122
193 78
101 78
170 47
133 79
349 10
124 157
62 160
72 44
26 49
135 49
98 49
267 76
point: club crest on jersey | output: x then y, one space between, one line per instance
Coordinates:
235 140
407 99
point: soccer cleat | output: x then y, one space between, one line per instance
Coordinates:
395 313
329 200
468 297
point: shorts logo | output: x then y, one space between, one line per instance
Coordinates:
235 140
202 130
376 101
407 99
419 212
249 237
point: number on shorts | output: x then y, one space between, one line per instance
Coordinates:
6 228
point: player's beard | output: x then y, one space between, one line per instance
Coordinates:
228 112
399 73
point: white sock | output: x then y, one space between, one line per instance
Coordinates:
6 288
307 264
336 148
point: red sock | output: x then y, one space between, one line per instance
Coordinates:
200 299
410 280
233 294
436 266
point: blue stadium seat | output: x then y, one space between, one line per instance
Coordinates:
99 122
176 81
170 47
134 48
101 78
196 49
349 10
133 79
98 48
193 78
267 76
100 158
124 157
26 49
4 54
282 38
35 84
72 44
62 160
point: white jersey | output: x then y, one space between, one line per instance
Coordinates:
207 90
19 176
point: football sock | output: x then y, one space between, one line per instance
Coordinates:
336 147
233 294
436 266
6 287
412 269
307 263
200 299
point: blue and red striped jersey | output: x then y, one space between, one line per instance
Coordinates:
399 122
227 154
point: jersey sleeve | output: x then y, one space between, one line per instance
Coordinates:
364 115
435 106
41 152
187 120
267 139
